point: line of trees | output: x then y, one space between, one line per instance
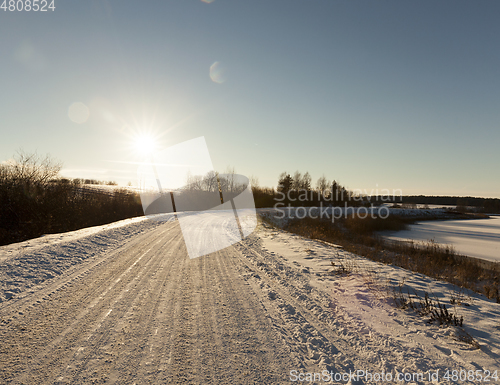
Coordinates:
34 200
229 182
95 182
487 205
297 190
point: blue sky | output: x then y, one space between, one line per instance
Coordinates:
375 94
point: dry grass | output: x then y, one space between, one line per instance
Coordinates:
436 312
426 306
344 265
441 262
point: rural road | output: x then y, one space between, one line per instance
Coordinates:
145 313
141 312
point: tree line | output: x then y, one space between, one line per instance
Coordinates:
487 205
297 190
34 200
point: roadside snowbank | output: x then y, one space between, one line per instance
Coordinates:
364 299
25 264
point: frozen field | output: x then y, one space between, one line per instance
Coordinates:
478 238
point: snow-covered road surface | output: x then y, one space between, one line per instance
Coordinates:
265 311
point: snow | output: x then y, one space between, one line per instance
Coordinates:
365 296
479 238
25 264
328 321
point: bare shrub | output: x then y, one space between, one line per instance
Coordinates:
35 201
437 312
344 265
426 307
31 168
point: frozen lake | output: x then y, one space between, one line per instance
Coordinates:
478 238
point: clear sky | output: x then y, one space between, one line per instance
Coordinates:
375 94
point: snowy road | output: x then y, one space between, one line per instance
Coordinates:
143 312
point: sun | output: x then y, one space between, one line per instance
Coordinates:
145 144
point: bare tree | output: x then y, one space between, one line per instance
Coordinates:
210 182
306 181
323 184
30 168
230 179
297 181
194 182
254 182
301 182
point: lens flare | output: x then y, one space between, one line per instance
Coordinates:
218 72
78 113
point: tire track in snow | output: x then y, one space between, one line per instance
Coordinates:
69 300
